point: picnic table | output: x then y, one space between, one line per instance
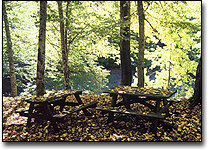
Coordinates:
159 109
43 107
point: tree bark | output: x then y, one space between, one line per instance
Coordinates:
64 49
10 53
197 97
140 67
126 71
40 89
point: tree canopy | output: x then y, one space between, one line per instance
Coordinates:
50 48
172 36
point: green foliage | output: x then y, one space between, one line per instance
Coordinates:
179 28
87 40
24 42
173 35
94 36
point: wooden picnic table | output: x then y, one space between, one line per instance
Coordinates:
42 108
131 95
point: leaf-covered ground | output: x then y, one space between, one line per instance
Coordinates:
96 128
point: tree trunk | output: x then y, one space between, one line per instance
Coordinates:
197 97
140 68
40 89
64 49
10 52
126 71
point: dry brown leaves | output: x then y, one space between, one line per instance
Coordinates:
96 128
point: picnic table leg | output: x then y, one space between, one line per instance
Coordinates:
157 106
165 103
31 108
125 99
110 117
155 125
87 113
49 113
156 121
113 103
62 103
114 99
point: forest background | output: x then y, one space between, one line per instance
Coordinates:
172 36
172 45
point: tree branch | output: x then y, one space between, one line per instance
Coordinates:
54 45
77 35
151 26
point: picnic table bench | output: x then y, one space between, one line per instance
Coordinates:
42 108
131 95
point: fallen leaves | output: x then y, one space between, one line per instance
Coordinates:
141 91
96 127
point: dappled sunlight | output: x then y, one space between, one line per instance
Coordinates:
146 54
95 128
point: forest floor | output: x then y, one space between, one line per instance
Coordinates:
96 128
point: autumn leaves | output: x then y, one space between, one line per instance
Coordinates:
142 91
96 128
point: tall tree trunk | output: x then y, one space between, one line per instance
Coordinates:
126 71
64 49
66 26
40 89
140 68
197 97
67 43
10 52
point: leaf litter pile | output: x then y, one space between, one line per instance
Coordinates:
79 127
